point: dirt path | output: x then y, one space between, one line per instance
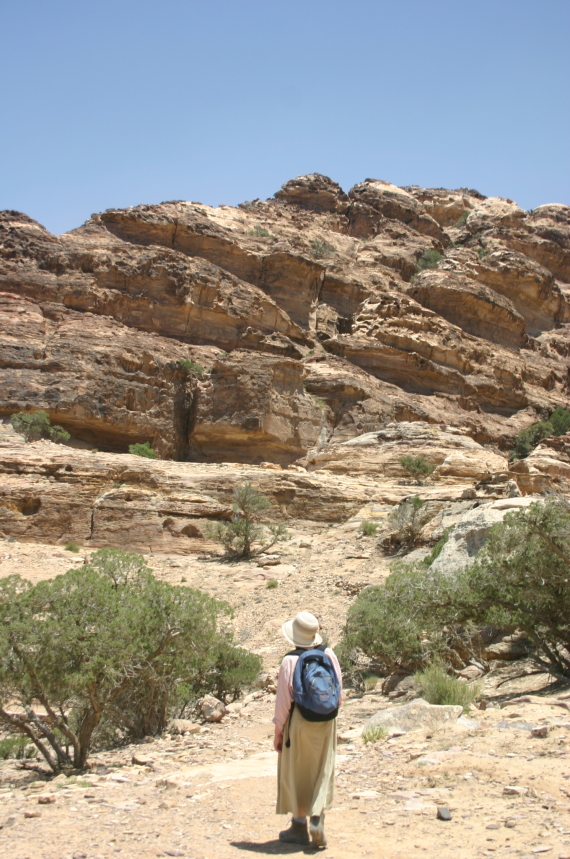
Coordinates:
211 795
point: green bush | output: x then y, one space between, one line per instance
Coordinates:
374 733
36 425
557 424
429 259
244 530
259 232
109 646
518 581
560 420
71 547
392 624
321 249
439 687
407 520
462 218
143 450
368 528
271 584
16 747
436 551
191 367
416 467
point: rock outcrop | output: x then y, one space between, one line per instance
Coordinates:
314 272
455 456
283 330
471 532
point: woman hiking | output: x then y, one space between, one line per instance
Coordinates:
309 692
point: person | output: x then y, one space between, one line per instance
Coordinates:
306 748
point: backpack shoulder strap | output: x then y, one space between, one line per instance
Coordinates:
300 650
297 652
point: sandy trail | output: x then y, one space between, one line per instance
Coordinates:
211 795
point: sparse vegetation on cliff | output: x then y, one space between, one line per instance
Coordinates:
557 424
429 259
417 467
245 535
192 368
36 425
321 249
109 648
143 449
259 232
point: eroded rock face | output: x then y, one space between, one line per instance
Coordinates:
471 532
109 384
455 456
373 198
54 493
253 408
306 311
546 468
476 309
314 192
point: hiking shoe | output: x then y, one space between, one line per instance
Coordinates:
296 834
317 830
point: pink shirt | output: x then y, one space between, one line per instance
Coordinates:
284 697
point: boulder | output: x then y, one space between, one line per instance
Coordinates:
314 192
547 467
418 715
472 531
211 709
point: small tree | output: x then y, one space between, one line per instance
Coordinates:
143 449
528 438
407 519
36 425
239 535
416 467
108 644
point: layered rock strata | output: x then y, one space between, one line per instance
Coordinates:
311 315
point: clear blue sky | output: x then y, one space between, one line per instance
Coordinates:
118 102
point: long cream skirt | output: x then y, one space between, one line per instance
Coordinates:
305 774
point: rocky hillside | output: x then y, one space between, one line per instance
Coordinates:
304 343
318 316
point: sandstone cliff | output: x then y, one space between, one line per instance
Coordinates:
335 330
312 314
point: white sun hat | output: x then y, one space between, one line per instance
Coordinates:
303 630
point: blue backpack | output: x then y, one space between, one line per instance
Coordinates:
316 690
